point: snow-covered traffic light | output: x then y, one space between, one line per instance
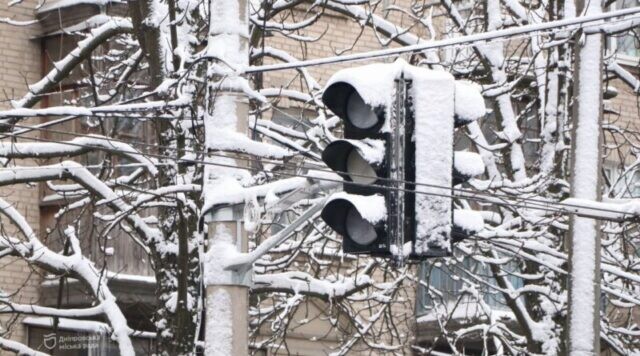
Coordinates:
359 213
397 159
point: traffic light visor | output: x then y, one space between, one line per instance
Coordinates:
355 217
345 101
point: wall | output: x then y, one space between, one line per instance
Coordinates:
19 64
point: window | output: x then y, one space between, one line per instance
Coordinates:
621 183
446 279
627 45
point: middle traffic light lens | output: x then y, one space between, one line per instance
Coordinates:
359 230
360 171
359 113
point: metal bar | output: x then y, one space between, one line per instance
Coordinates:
396 201
246 260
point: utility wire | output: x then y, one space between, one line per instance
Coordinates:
251 159
549 206
464 40
525 31
468 40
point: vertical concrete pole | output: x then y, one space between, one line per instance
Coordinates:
583 323
227 292
227 305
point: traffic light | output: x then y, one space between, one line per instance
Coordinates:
360 213
397 160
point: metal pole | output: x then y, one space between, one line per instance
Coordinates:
396 158
583 335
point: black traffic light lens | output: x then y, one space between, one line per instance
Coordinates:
359 230
359 170
359 113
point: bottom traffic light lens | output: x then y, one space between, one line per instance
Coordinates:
360 171
359 229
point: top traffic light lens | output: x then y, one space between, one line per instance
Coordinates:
359 113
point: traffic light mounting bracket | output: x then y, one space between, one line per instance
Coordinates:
399 124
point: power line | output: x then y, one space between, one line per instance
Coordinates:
522 31
526 30
548 206
252 159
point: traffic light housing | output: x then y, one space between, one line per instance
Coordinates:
397 160
360 159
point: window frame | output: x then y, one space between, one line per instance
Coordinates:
612 46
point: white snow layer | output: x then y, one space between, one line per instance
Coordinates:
585 186
219 323
222 248
468 163
372 208
370 150
469 103
469 220
375 83
433 98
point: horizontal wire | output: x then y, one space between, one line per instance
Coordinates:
576 23
389 180
474 197
467 40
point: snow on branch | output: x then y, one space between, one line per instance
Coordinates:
18 348
76 264
62 68
312 84
77 146
76 172
625 76
303 283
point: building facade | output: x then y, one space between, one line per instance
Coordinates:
30 52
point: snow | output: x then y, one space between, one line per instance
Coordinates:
371 208
219 323
18 348
304 283
468 310
370 150
62 67
469 103
221 249
84 269
91 22
88 326
60 4
583 319
470 221
75 146
433 99
228 191
374 83
468 163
